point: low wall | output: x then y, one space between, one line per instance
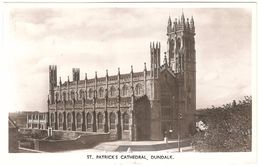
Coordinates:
33 133
62 140
82 142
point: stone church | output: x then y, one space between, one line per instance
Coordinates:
145 105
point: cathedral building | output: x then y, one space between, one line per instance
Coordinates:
143 105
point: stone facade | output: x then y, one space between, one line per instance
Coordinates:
37 120
135 106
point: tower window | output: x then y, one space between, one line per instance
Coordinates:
52 117
57 96
178 44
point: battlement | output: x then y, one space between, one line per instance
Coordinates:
180 25
102 80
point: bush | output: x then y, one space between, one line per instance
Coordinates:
228 128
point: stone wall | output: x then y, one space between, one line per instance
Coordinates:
82 142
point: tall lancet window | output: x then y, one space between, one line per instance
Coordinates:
125 121
101 92
90 93
112 91
124 90
138 89
100 120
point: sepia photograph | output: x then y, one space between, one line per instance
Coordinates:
124 79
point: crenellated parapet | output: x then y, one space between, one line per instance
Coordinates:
112 86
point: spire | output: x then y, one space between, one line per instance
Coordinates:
131 68
169 21
182 14
106 72
188 23
144 66
191 20
182 17
169 27
86 76
165 59
60 81
192 24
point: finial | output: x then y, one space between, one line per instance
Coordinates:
86 76
48 100
68 78
118 69
131 68
145 66
182 17
169 20
165 59
192 20
96 74
106 72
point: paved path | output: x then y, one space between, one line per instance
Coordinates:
138 146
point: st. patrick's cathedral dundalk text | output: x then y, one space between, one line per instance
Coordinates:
134 106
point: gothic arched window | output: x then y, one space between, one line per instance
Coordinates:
112 119
81 94
101 92
89 121
112 91
178 44
125 121
138 89
69 121
60 119
52 117
64 96
57 96
171 49
72 95
100 120
79 119
124 90
90 93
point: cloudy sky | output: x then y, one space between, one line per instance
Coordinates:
96 39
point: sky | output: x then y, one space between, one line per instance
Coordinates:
96 39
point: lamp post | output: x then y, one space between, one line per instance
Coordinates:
179 130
